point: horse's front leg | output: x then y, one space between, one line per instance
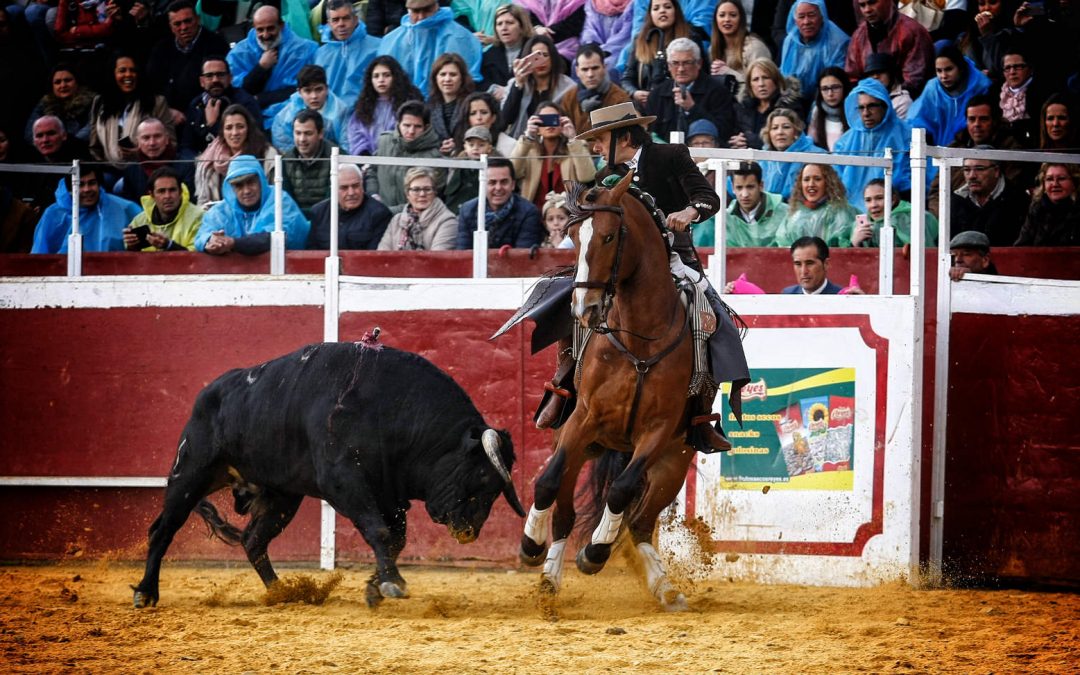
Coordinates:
664 480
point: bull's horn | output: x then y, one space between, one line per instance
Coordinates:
490 441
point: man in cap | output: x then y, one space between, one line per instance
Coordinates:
669 175
464 184
970 253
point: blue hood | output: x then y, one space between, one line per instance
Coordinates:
244 165
870 87
943 114
101 225
892 132
806 61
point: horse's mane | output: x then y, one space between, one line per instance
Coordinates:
574 208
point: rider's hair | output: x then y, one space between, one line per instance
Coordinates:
822 247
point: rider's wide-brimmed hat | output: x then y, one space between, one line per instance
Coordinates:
614 117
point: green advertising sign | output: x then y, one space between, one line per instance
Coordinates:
798 431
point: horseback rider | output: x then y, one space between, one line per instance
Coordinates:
669 175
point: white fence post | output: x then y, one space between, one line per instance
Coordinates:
75 239
480 237
277 237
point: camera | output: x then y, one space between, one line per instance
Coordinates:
549 119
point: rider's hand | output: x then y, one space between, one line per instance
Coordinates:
680 220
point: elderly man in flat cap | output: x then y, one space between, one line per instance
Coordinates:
970 253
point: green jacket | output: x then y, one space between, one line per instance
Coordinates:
832 222
306 180
901 222
763 231
181 229
388 182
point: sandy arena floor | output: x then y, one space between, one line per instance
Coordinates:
77 618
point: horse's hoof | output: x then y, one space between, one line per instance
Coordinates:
587 566
372 595
389 589
532 554
548 587
673 601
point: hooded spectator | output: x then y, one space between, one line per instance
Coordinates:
813 43
102 217
428 33
940 109
311 94
243 220
346 50
783 131
883 68
874 127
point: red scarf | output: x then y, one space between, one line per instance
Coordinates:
611 7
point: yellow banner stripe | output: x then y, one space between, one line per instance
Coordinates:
835 376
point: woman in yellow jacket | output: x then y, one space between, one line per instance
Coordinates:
545 156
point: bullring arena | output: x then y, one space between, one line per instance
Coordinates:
918 547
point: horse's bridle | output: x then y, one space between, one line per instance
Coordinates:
609 285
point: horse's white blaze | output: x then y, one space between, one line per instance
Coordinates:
608 529
553 565
584 237
536 525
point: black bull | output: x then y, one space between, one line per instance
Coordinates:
365 428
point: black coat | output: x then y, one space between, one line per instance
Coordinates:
358 229
175 74
669 174
1050 224
999 219
195 134
712 101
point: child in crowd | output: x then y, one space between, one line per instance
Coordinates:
464 184
312 93
556 216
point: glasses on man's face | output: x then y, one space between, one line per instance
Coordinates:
870 106
421 190
978 168
1014 66
829 88
682 64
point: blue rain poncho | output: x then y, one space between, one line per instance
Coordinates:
806 60
417 46
779 177
943 114
335 116
236 221
892 132
294 53
102 226
345 61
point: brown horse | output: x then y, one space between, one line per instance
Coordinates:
632 396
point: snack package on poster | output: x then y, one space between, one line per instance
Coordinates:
794 445
841 435
815 414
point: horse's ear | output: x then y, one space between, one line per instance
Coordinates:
622 186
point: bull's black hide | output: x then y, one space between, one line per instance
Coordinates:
366 428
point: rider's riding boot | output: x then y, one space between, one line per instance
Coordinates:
705 436
553 409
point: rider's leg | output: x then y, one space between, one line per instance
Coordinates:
559 390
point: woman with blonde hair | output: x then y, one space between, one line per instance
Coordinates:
1054 216
783 131
425 224
512 28
818 208
545 156
733 47
766 90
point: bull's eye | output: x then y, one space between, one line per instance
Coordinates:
608 238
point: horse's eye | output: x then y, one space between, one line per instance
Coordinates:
607 239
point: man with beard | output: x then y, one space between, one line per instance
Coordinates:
203 114
596 90
172 220
265 63
175 60
886 30
156 149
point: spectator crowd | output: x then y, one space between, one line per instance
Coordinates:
178 109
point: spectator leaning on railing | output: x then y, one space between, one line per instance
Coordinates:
425 224
361 220
170 218
510 219
102 216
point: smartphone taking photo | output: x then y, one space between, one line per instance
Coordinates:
549 119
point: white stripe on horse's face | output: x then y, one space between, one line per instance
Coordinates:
584 237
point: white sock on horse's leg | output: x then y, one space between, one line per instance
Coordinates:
536 525
608 529
553 565
655 576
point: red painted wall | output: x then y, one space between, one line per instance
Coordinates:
93 392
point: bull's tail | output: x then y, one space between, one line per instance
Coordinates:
593 493
219 527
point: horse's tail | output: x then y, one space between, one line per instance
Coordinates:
219 527
593 493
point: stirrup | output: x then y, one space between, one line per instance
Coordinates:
702 419
557 390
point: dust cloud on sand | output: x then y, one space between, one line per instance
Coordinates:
78 618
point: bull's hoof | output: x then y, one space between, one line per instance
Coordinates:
674 601
143 600
372 595
388 589
586 564
531 553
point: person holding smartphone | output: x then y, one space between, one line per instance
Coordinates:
538 76
548 154
169 220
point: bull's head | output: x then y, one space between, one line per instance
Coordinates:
471 481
